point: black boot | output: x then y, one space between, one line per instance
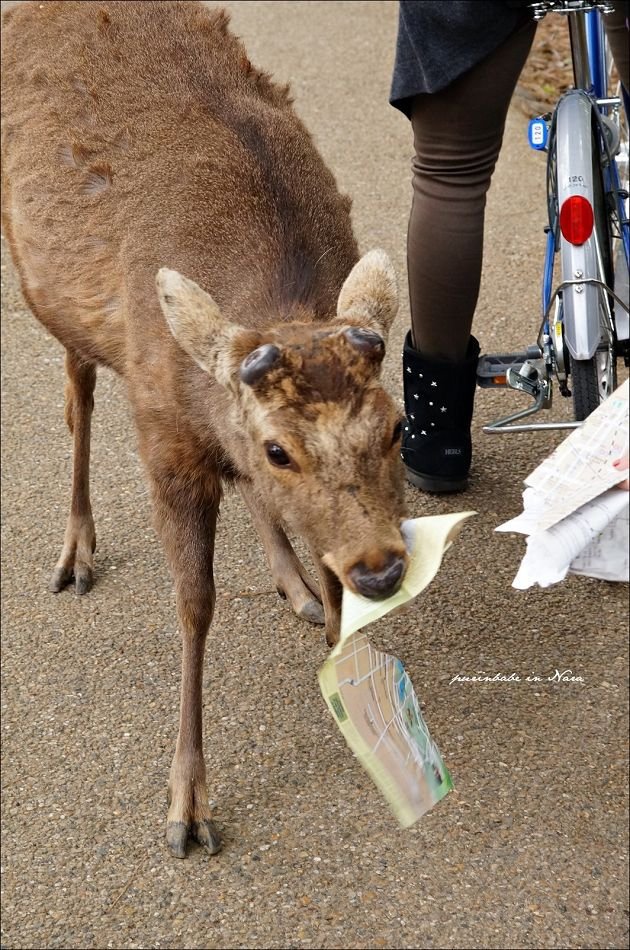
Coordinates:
439 398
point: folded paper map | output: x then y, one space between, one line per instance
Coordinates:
576 521
371 696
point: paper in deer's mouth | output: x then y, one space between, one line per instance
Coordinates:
426 540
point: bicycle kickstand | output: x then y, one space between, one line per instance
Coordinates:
526 373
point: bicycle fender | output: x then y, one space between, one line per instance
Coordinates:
574 138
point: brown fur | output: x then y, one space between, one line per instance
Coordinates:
138 138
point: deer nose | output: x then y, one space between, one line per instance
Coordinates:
378 584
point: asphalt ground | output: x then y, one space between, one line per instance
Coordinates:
529 850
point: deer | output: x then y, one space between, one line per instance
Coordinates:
170 219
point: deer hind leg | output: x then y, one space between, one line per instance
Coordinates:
186 516
332 592
77 555
289 574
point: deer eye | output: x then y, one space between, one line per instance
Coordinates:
397 432
277 455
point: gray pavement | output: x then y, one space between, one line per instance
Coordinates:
530 850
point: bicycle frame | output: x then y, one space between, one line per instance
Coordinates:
584 320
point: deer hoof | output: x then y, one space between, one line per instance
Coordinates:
310 610
83 579
81 573
77 556
313 612
176 838
61 578
204 832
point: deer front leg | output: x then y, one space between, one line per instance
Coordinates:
77 555
332 591
289 574
186 517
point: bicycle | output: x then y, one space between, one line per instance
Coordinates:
584 326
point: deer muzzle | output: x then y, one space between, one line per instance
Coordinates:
377 584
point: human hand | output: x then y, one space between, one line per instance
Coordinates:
622 465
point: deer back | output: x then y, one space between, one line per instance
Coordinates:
139 135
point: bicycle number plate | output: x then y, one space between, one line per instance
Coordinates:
538 134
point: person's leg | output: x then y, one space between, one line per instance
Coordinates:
457 136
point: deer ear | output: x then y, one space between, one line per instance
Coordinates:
369 295
196 323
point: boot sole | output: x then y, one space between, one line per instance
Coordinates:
433 483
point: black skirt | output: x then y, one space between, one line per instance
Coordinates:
439 40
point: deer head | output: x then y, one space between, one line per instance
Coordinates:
322 437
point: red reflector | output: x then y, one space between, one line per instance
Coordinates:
576 219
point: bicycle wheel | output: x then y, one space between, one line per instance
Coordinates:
593 380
